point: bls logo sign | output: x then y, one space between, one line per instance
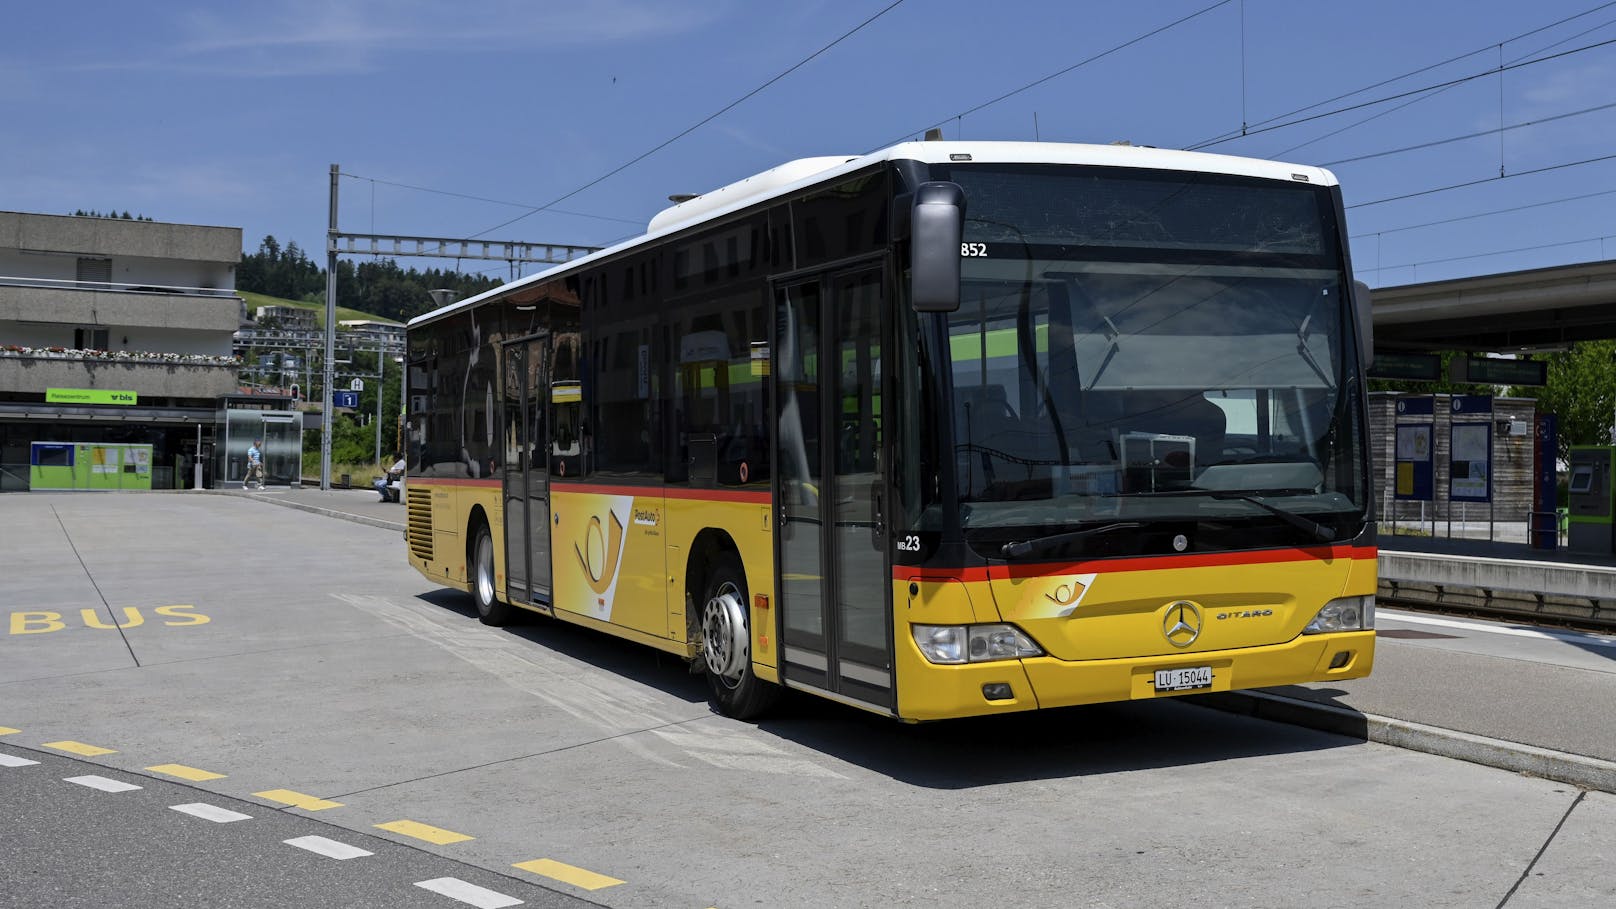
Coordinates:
600 551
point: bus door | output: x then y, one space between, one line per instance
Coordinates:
527 472
835 582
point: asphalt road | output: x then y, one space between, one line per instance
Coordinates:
331 690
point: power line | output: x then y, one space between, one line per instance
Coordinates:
1230 136
1412 102
1483 214
1499 130
1501 252
1126 44
1519 173
445 192
1423 90
703 122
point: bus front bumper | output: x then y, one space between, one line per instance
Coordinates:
933 692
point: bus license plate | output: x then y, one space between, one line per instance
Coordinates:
1187 679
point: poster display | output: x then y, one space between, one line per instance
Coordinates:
1415 462
1470 476
89 465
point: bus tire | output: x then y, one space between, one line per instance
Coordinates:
726 644
490 611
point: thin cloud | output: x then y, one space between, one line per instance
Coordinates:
315 37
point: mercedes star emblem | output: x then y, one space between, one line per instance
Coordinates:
1182 623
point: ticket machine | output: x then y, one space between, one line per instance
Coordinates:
1592 496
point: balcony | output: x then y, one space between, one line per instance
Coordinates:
48 300
149 375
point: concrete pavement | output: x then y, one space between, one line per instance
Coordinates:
1511 696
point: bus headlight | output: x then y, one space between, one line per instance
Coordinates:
954 644
1344 614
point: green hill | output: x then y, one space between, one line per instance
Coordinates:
343 313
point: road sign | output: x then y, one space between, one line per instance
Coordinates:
356 385
349 399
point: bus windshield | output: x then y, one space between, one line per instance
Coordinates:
1164 351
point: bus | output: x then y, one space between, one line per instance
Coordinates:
949 429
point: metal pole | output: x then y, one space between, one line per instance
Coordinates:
381 386
330 338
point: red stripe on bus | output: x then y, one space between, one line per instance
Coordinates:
1137 563
656 492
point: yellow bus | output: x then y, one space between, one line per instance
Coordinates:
949 429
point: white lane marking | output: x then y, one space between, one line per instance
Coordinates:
11 760
210 812
327 848
102 783
472 895
1568 637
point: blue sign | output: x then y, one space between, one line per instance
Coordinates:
348 399
1423 406
1468 404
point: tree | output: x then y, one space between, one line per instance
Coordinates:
1581 392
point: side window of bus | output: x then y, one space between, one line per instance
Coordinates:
622 387
569 431
720 400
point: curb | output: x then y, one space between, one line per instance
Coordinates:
312 509
1574 769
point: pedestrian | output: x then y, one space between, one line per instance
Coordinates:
255 465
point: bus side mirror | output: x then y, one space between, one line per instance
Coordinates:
1362 311
936 230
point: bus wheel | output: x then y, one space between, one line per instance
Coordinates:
726 644
489 609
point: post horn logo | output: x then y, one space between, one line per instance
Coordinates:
599 553
1181 624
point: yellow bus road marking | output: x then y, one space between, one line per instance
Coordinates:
434 835
568 874
297 799
186 773
79 748
7 730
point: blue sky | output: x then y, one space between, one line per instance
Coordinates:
231 115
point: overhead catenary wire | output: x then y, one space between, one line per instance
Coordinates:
1490 71
1057 74
506 202
1413 101
699 124
1236 134
1519 173
1500 130
1499 252
1482 214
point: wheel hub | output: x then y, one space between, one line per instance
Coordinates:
725 642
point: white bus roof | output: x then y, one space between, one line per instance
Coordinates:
804 172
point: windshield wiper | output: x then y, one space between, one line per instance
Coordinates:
1307 525
1024 548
